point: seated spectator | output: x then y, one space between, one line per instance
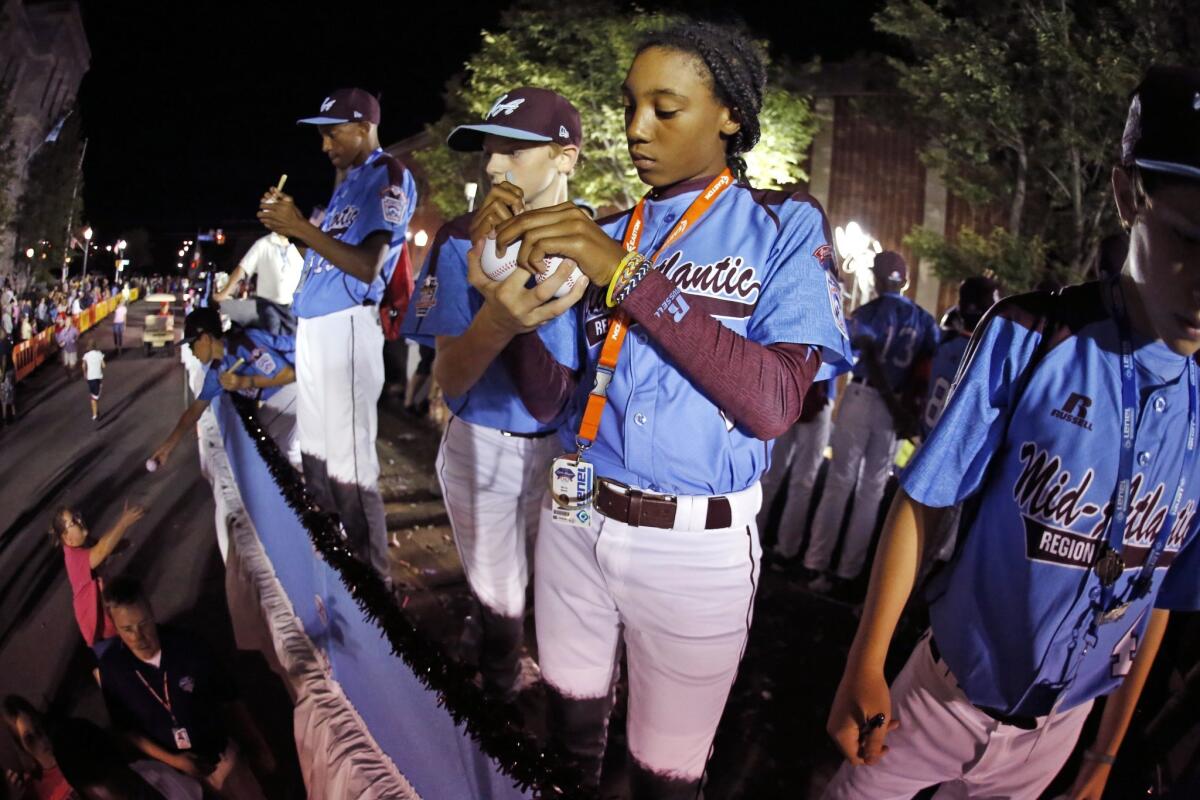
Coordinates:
166 691
252 362
83 559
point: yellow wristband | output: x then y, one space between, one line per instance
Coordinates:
629 263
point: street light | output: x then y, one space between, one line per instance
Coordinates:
29 252
421 239
87 240
119 250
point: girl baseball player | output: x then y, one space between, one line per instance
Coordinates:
493 456
1071 430
712 310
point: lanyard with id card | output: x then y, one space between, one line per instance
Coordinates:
179 733
572 478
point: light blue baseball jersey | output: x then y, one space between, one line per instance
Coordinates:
445 304
903 331
380 195
1018 597
760 263
942 370
263 353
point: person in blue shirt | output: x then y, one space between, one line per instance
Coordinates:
1070 443
493 458
896 338
249 361
712 309
339 339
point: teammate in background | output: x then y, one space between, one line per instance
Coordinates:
93 373
493 458
245 360
277 263
735 313
895 339
339 341
798 454
975 296
1083 536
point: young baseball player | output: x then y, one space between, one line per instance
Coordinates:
246 360
1071 431
797 454
493 457
896 338
339 341
713 309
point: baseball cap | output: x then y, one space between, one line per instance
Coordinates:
889 266
527 114
346 105
1162 131
199 322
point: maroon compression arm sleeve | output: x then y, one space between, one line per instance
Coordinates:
543 384
761 387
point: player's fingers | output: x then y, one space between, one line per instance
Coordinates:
873 744
847 741
519 226
558 306
556 239
510 195
475 274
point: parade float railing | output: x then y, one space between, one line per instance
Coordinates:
410 721
32 353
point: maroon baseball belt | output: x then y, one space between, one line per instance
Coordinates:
634 507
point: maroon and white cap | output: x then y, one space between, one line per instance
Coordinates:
527 114
346 105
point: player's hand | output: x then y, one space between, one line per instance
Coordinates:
1089 783
503 202
562 230
862 694
131 514
278 213
232 382
163 453
508 306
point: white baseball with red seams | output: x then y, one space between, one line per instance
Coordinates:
500 267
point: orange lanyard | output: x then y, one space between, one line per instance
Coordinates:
618 326
165 700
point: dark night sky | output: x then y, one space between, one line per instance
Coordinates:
190 108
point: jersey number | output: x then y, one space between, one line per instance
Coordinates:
1125 651
906 342
937 401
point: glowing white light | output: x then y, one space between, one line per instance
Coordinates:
421 239
857 248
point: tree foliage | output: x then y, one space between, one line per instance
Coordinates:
52 203
1024 102
583 52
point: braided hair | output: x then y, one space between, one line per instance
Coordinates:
738 76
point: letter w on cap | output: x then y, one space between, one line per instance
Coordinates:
506 108
327 104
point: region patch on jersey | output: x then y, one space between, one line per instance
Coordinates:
393 209
264 362
824 256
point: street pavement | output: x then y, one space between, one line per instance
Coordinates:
56 455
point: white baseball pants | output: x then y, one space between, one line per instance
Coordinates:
864 446
943 739
681 599
803 447
339 375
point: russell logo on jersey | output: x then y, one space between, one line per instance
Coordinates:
1074 411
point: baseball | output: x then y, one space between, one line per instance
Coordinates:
500 267
151 465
